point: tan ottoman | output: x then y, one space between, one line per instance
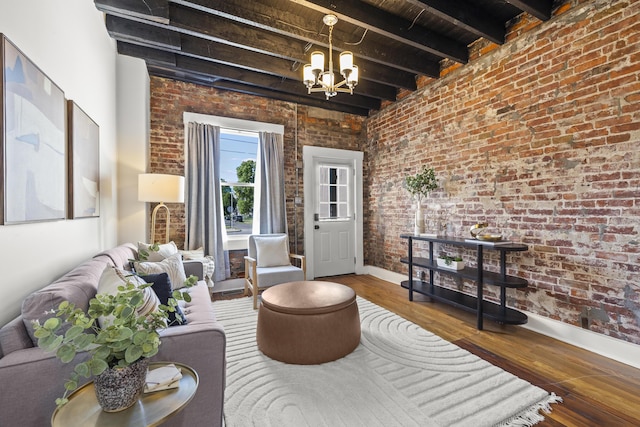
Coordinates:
308 322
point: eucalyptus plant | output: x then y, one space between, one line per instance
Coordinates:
420 184
126 337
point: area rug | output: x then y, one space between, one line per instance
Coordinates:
399 375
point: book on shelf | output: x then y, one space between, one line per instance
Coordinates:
489 243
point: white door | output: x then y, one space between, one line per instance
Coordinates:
333 192
333 219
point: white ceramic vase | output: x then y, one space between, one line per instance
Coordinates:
419 220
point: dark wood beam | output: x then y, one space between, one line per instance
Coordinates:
136 32
391 26
221 30
190 22
153 10
466 16
160 38
228 72
263 16
268 82
149 54
541 9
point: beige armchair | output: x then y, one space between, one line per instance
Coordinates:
268 263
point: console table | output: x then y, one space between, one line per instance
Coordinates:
483 309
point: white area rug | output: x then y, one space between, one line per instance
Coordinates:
400 375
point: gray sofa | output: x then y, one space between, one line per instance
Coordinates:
32 379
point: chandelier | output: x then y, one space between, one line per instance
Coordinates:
314 74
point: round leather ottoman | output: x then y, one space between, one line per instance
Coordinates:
308 322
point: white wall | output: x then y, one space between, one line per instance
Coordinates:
67 40
133 137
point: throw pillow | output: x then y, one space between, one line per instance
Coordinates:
113 277
272 251
164 251
171 265
193 254
161 285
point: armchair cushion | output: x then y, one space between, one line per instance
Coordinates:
275 275
272 251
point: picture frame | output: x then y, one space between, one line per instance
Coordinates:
84 164
33 141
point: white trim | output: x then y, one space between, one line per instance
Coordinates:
230 123
621 351
309 153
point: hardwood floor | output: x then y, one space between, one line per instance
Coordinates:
597 391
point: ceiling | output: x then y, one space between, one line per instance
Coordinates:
260 46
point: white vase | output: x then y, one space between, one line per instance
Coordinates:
419 221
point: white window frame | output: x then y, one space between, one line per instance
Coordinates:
235 242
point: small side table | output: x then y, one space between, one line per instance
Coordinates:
152 409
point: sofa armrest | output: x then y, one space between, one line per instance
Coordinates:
201 345
193 267
31 381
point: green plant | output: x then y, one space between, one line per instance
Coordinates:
449 259
420 184
127 337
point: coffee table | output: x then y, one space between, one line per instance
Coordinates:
151 409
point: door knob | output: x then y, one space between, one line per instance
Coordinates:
317 227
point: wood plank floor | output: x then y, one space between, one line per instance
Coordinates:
596 391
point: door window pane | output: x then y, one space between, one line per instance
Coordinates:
333 192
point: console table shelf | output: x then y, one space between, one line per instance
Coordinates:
476 304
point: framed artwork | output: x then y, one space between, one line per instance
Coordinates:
34 144
84 164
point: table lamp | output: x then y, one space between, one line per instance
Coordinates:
157 187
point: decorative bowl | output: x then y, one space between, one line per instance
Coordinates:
489 237
477 228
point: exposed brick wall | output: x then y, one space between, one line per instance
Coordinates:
302 126
541 138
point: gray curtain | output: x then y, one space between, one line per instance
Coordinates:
273 214
204 219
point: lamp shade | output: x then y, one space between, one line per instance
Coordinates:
346 62
157 187
317 61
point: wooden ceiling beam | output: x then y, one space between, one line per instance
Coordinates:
150 36
222 71
391 26
123 29
218 29
289 24
192 23
153 10
464 15
541 9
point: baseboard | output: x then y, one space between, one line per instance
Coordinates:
621 351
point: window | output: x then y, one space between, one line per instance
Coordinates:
238 156
239 142
334 192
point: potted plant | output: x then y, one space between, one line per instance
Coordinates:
450 262
419 186
120 347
